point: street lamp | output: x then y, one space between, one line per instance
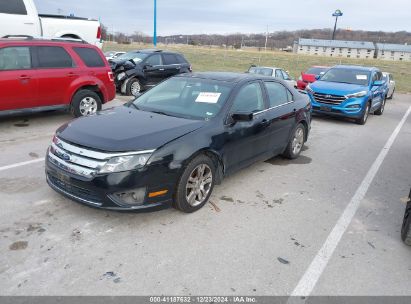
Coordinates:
155 24
337 13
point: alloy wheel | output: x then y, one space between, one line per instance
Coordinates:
199 185
298 141
135 88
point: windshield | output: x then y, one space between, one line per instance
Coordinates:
137 57
351 76
190 98
261 71
316 71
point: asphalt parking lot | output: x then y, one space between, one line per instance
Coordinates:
259 235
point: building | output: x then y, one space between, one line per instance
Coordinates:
336 48
394 51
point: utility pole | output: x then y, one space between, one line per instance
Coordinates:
337 13
266 40
155 24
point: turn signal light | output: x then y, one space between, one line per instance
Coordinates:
157 193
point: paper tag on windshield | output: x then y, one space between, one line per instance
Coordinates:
362 77
208 97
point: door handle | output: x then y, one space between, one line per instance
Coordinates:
71 75
29 23
161 69
24 77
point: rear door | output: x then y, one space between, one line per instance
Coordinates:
18 81
281 114
171 65
377 91
56 70
18 17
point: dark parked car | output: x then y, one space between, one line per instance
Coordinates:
138 71
172 144
406 224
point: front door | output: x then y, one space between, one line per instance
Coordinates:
154 70
246 140
18 81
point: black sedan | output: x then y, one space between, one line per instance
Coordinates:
171 145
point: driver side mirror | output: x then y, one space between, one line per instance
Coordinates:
147 66
237 117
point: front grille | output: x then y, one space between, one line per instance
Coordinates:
74 191
329 98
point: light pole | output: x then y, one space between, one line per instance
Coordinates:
155 24
337 13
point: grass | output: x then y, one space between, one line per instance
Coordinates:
220 59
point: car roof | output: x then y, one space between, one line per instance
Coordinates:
266 67
355 67
56 41
225 76
152 51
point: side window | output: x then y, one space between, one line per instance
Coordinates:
15 58
374 77
181 59
277 94
285 75
53 57
15 7
90 57
278 74
249 99
154 60
170 59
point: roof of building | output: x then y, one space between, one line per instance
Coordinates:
394 47
337 43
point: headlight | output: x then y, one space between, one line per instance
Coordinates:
125 163
357 95
121 76
308 89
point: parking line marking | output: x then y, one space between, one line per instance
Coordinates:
310 278
22 164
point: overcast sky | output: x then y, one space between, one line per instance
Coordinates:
229 16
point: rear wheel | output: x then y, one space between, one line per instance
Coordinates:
365 114
406 225
296 143
85 103
195 185
381 109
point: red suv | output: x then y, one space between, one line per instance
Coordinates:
38 75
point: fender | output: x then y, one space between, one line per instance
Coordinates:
82 82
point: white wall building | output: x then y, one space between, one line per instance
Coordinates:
336 48
394 51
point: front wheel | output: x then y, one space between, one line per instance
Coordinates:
406 225
133 87
85 103
365 114
296 143
195 185
381 109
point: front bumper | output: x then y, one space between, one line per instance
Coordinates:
99 191
342 110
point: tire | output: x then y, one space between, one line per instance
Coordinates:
296 143
192 193
85 103
381 109
365 114
133 87
392 95
406 225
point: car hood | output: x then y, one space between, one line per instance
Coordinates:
336 88
124 129
116 63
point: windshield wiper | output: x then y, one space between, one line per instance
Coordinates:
135 106
161 113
